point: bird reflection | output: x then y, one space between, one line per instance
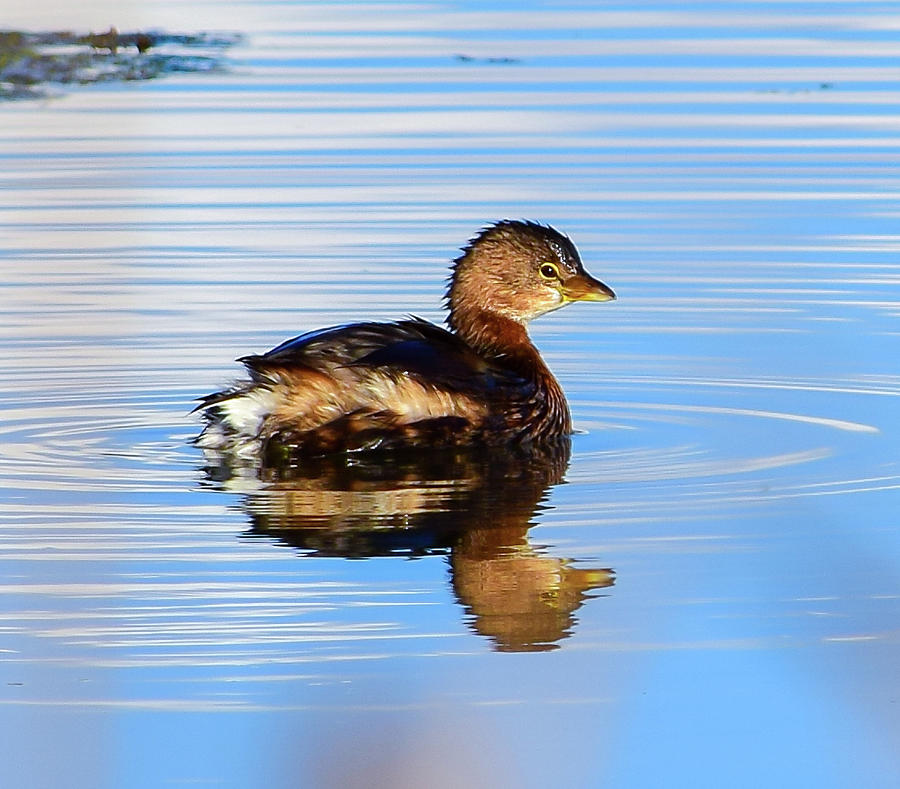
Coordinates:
474 506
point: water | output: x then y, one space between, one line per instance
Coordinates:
711 596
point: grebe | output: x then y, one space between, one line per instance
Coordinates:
410 383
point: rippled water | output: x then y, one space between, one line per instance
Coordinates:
705 593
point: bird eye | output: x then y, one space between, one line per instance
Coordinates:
549 271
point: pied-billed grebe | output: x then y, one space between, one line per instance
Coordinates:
411 383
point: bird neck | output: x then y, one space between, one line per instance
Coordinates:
505 342
496 337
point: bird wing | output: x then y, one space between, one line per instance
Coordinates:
414 347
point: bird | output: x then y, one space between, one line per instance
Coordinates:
411 384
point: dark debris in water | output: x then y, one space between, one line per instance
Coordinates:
31 61
492 60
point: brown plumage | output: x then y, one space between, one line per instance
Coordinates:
411 383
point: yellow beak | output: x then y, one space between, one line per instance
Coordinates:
583 287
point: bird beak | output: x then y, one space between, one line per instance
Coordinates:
583 287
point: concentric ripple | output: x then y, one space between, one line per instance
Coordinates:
82 445
93 442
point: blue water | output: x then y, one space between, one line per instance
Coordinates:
711 596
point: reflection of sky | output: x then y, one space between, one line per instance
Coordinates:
728 173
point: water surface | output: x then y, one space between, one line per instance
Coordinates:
705 593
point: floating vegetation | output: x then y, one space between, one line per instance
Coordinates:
31 61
